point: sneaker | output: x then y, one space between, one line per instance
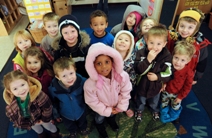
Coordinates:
84 132
72 135
138 116
177 121
156 116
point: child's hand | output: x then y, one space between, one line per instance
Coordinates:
194 82
163 87
177 100
114 111
152 76
151 55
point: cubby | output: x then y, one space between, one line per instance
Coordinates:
8 22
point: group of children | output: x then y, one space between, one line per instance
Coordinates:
72 71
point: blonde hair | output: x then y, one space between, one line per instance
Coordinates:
50 16
184 48
12 76
25 35
63 63
158 30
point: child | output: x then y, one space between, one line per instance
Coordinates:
99 23
67 88
27 106
153 63
131 20
179 87
145 25
50 21
73 43
187 29
103 5
22 40
107 91
39 67
124 44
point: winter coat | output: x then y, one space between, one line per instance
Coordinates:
40 107
77 53
103 94
71 102
161 66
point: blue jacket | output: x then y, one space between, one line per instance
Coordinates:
69 103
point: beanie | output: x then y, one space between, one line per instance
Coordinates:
138 20
68 20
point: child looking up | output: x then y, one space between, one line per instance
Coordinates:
187 29
131 20
27 106
66 91
107 91
99 23
50 22
178 88
145 25
39 67
73 43
153 64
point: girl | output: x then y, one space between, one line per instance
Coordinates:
27 106
124 44
145 25
22 40
107 91
38 66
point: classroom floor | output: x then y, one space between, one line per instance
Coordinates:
6 42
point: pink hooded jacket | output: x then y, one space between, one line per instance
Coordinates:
102 94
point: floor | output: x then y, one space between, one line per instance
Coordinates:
7 46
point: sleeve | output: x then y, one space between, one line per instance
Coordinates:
17 67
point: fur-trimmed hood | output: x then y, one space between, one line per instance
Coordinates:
34 90
98 49
85 40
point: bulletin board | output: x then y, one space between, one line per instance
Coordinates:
37 8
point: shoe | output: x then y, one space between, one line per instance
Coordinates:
177 121
101 129
138 116
130 113
112 122
72 135
56 134
156 116
42 135
84 132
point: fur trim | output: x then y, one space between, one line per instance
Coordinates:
131 39
85 38
98 49
34 90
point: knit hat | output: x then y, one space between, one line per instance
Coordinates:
138 20
68 20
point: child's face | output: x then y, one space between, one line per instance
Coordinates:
146 25
99 24
131 19
70 34
186 29
156 43
19 88
179 61
123 42
23 44
52 28
67 76
33 64
103 65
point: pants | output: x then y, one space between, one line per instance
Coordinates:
100 119
103 6
169 98
72 126
48 126
153 103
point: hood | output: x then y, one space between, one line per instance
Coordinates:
98 49
132 42
34 90
85 40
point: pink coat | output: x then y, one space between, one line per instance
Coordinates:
102 94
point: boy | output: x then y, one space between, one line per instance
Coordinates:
178 88
153 63
67 89
187 29
99 23
50 22
72 43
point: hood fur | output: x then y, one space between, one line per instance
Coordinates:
84 38
98 49
34 90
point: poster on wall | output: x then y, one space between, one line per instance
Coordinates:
36 9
